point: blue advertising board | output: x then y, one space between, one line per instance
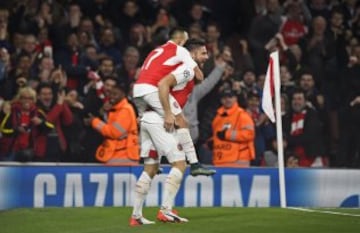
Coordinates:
78 186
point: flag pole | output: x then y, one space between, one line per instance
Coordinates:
279 135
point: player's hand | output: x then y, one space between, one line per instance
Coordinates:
220 62
169 122
355 101
199 75
36 120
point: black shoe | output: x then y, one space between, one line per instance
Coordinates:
197 169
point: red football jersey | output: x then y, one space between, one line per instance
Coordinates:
161 61
182 95
293 31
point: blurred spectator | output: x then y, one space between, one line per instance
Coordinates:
139 37
23 17
286 80
293 27
4 65
260 7
74 15
28 122
29 47
95 105
195 13
44 69
16 78
233 134
263 129
75 131
98 10
69 59
313 95
163 21
108 45
87 26
351 10
214 44
44 17
319 50
226 54
130 63
89 58
52 145
44 45
195 31
350 114
262 29
319 8
6 131
106 68
292 161
130 13
240 51
271 155
241 95
355 24
4 35
248 83
121 142
304 132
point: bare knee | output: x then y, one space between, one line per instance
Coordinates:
151 169
181 165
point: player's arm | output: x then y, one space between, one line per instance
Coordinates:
164 86
199 75
188 61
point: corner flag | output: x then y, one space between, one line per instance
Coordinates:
272 90
271 85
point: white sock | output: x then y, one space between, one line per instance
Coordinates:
172 185
141 190
184 138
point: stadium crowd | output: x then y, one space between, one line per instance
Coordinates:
59 60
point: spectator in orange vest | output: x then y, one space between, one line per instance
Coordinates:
233 133
119 129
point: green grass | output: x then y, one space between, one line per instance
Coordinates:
202 220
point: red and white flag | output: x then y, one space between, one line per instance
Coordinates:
272 91
272 84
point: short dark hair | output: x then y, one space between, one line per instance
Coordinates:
298 90
194 43
43 85
106 58
175 31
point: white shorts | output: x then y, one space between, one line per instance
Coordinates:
153 136
152 100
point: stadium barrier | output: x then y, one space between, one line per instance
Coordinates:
79 185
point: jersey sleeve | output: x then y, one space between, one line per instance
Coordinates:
183 74
185 57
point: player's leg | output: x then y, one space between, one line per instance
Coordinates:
184 138
182 133
166 144
142 188
143 184
171 188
